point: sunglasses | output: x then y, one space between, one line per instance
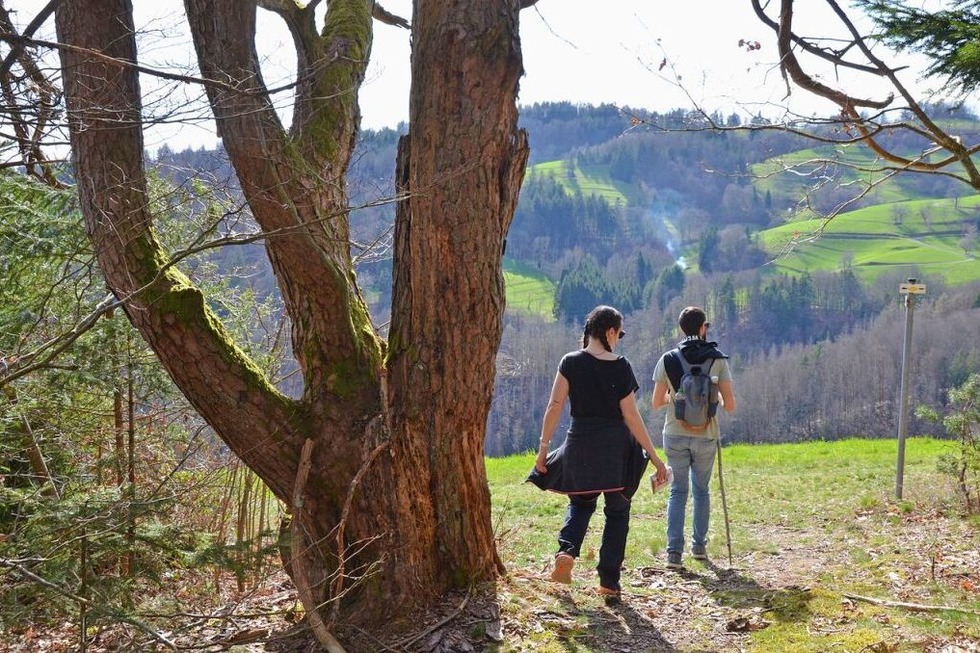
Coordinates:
622 334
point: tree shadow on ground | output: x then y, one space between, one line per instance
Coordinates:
637 630
733 588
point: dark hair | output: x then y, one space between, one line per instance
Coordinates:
691 319
599 320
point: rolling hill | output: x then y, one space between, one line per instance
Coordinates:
902 231
926 238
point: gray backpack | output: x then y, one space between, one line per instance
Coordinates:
696 397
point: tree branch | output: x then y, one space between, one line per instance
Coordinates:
791 66
849 104
301 550
833 57
916 607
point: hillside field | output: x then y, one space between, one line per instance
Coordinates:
902 233
529 290
587 180
923 238
794 174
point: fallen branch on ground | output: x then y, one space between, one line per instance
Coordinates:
918 607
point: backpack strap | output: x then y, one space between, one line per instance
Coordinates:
674 367
676 364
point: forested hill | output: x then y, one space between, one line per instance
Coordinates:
650 212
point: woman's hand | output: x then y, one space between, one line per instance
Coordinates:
661 469
542 457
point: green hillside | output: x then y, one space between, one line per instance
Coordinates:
906 231
528 290
587 180
834 166
921 236
901 233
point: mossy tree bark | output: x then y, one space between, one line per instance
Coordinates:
381 459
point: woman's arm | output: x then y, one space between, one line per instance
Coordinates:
552 413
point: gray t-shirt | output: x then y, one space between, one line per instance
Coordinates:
719 368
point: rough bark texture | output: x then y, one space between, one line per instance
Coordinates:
461 167
391 506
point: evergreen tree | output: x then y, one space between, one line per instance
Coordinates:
580 289
669 284
949 37
709 250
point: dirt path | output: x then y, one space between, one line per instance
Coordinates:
713 608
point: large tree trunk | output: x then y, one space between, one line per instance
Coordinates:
382 469
461 167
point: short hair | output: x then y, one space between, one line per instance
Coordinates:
691 319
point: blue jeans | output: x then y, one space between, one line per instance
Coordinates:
692 458
614 531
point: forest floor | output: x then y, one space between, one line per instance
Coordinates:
713 607
795 596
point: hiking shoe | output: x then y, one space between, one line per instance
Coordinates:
562 573
674 560
610 596
699 552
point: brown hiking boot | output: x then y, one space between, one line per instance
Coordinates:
610 596
562 573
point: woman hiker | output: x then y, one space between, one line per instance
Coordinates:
603 452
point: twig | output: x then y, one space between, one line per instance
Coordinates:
301 558
338 583
918 607
439 624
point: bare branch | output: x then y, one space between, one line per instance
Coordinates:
834 56
791 66
388 18
32 27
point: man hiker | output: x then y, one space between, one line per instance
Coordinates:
691 429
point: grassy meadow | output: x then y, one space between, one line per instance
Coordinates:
917 236
846 165
811 525
587 180
528 290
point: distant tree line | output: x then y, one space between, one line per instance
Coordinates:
842 381
693 194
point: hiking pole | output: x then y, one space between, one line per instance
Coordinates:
724 503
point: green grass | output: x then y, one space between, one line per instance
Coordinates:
756 482
830 504
852 164
818 163
882 238
587 180
528 290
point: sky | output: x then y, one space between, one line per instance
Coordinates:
580 51
589 52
